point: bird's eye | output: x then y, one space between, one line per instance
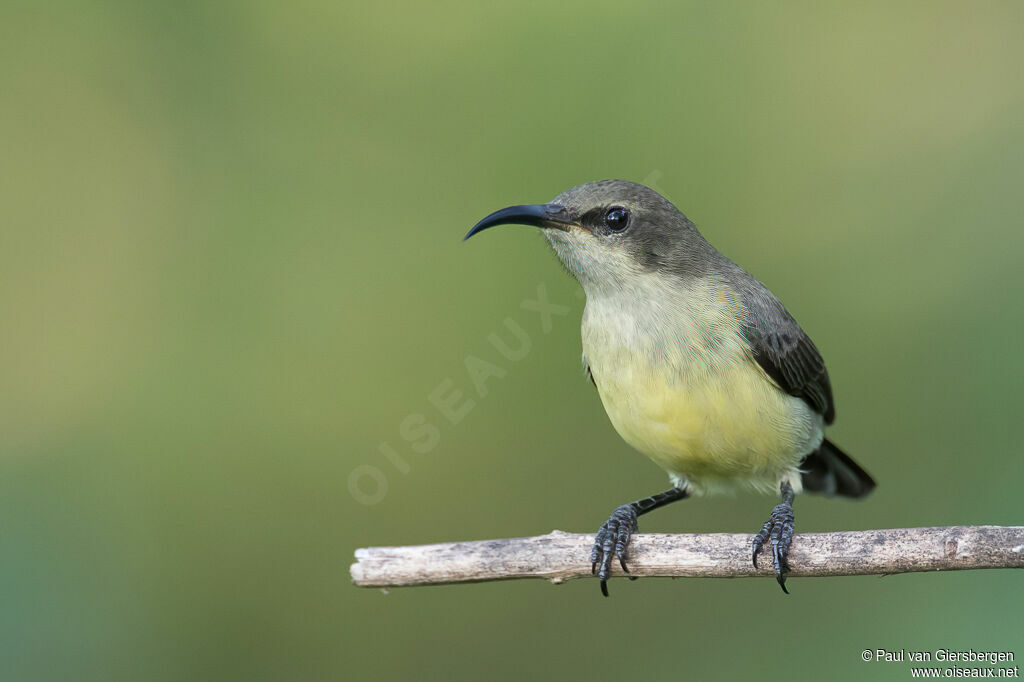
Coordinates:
616 218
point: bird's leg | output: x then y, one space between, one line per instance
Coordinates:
612 539
779 529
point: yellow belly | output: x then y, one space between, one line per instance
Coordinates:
679 384
710 428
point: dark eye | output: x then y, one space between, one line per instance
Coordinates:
616 218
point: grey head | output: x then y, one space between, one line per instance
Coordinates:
612 234
610 231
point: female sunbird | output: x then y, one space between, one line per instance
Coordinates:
698 365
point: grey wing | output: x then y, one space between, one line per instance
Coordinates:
785 352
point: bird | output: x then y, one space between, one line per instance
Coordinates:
697 364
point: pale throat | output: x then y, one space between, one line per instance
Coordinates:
682 326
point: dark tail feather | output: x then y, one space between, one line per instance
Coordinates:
830 472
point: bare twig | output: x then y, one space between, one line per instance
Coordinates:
560 556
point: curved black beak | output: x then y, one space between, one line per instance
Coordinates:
537 215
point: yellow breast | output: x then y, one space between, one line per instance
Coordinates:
689 395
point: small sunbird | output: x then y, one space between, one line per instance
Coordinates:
698 365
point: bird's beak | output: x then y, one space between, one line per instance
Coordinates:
538 215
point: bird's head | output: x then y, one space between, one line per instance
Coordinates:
609 232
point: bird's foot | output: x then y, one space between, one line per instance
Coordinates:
778 529
610 542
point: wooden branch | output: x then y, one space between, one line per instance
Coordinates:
560 556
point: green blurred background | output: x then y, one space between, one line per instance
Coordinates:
230 268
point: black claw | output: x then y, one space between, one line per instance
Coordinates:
611 542
612 539
759 539
779 531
